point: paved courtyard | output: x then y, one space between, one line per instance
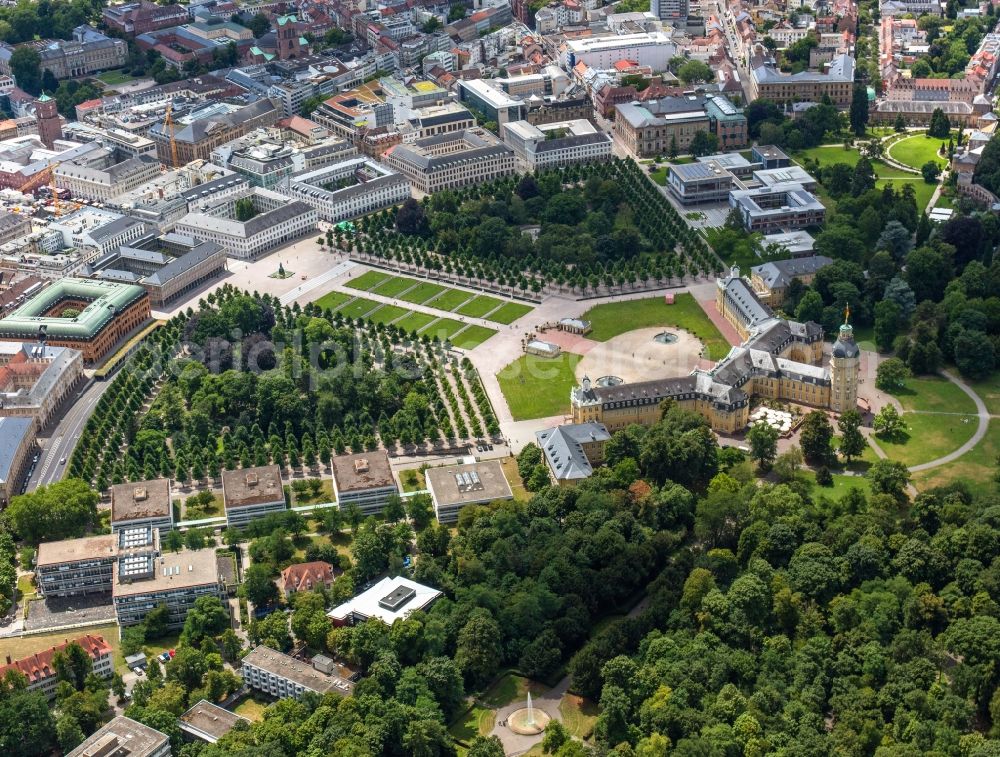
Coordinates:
637 356
56 612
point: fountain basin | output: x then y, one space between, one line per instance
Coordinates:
665 337
527 722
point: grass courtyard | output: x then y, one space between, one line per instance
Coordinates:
614 318
830 154
916 150
538 387
114 78
445 298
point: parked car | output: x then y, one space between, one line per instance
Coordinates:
164 657
137 670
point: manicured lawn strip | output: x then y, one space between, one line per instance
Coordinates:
393 286
19 647
976 468
449 300
414 322
112 78
477 722
578 715
929 436
333 300
510 688
934 394
509 465
472 336
479 306
537 387
916 150
443 328
388 314
614 318
510 312
368 280
660 176
422 292
359 308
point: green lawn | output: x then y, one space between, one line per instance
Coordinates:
886 174
414 322
511 688
841 486
513 475
252 707
443 328
333 300
368 280
417 477
928 437
472 336
989 392
614 318
388 314
113 78
578 715
660 176
19 647
479 306
510 312
478 721
422 292
393 286
976 468
865 337
359 308
916 150
449 300
934 394
537 387
161 645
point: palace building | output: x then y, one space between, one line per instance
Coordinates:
779 359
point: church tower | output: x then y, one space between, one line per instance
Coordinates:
845 364
49 125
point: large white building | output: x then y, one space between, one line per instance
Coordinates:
389 600
276 221
451 160
348 189
36 378
653 49
104 179
556 144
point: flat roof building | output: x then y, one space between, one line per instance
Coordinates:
252 493
280 675
364 479
779 207
556 144
143 503
348 189
452 487
451 160
389 600
17 444
75 567
147 579
124 737
208 722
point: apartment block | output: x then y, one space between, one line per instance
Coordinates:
280 675
144 503
39 668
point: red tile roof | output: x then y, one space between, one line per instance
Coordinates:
39 666
307 575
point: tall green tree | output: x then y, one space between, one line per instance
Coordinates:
815 438
859 110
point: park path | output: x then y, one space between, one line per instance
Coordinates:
983 417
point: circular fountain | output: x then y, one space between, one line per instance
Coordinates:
665 337
527 721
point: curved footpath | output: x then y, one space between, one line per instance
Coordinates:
984 419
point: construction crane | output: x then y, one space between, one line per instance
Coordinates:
54 189
168 121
